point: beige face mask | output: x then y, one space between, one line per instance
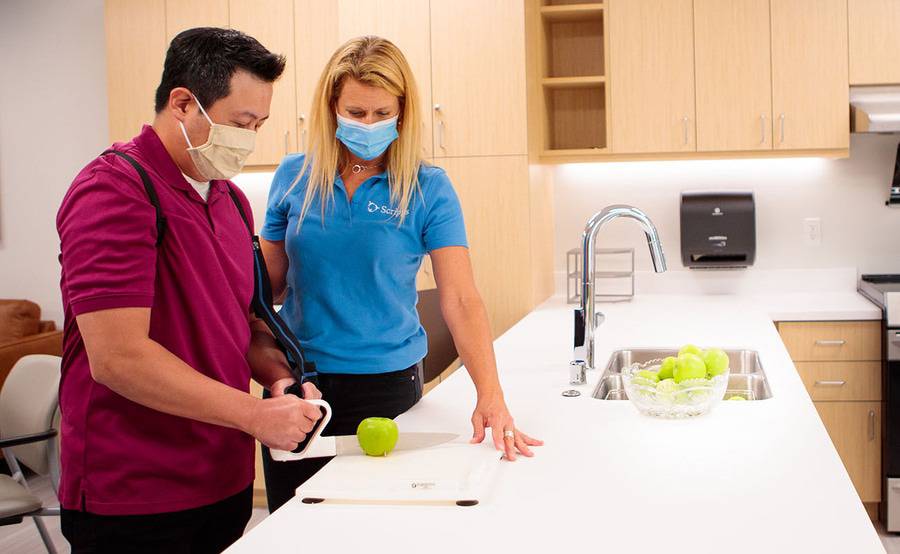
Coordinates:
225 151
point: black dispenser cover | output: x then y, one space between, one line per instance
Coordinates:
718 229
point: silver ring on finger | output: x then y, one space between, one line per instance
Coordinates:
509 434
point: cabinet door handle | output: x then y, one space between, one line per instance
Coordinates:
840 342
440 129
684 122
762 136
839 383
287 136
871 425
781 120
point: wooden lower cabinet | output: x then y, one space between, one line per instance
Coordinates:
840 365
855 430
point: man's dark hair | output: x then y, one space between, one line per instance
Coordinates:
204 59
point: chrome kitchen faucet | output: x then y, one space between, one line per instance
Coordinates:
586 319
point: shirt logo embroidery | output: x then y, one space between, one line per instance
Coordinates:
386 210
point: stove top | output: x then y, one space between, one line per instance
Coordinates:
884 291
882 278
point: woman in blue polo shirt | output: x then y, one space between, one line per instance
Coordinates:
345 232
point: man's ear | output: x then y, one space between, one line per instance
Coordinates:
180 100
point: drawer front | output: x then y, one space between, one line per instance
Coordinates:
812 341
841 380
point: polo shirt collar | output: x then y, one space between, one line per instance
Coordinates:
162 163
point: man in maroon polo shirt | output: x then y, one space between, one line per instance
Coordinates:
157 420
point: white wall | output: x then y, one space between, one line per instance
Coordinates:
858 230
52 122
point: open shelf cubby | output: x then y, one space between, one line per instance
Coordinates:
576 117
573 40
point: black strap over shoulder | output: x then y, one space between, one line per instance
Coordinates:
240 208
302 370
151 193
263 301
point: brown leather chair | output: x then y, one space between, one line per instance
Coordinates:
22 332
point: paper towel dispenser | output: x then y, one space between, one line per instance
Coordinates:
718 229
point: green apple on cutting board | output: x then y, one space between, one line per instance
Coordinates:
377 436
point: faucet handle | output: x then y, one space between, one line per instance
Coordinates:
577 372
580 348
579 327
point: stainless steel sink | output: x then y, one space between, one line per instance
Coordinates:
746 377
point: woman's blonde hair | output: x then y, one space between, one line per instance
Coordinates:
376 62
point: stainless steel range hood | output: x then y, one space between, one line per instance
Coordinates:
875 109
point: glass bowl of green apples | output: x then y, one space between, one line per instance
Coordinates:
687 385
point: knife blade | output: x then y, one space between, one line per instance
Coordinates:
348 445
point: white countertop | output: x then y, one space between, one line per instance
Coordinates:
748 477
831 306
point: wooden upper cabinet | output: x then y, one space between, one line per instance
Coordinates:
651 76
272 23
494 197
810 92
478 77
182 15
410 32
135 51
315 40
733 75
874 42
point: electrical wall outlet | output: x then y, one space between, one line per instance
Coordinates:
812 231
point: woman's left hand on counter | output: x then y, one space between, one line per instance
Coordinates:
491 411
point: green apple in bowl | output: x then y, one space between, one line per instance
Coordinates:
666 390
690 349
689 366
716 361
648 374
667 368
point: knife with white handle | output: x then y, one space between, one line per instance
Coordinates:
348 445
312 438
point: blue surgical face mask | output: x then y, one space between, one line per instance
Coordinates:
366 141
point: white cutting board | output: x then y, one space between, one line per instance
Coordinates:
450 473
